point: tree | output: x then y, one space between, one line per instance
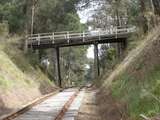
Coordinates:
48 15
73 63
55 15
17 13
156 4
143 19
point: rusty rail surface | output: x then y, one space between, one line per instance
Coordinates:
66 106
40 100
28 106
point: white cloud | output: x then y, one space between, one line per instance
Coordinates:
90 52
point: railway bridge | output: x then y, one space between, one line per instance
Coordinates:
57 40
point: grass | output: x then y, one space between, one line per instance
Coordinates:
16 68
4 29
3 82
136 81
21 79
141 96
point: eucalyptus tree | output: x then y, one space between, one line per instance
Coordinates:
156 6
37 16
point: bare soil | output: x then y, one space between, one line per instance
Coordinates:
89 107
13 100
109 108
138 63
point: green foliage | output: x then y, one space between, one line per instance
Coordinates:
55 15
50 15
13 12
107 57
74 60
134 9
111 54
142 96
17 70
3 29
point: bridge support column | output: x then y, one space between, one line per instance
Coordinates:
124 45
58 67
119 50
39 55
121 46
96 61
26 46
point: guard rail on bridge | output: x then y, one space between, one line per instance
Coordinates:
67 38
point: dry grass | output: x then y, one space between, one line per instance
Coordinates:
20 82
132 89
133 55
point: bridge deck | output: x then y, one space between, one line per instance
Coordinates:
64 39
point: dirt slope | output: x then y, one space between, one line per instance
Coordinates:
133 87
20 82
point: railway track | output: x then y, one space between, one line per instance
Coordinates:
61 106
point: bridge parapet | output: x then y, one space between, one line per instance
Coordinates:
70 37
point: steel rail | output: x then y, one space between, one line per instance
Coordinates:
28 106
66 106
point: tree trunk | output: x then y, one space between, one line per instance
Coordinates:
156 4
117 13
28 15
143 19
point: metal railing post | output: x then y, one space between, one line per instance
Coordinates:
26 44
38 39
68 37
116 32
99 34
83 36
53 38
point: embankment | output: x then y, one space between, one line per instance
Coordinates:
20 82
133 88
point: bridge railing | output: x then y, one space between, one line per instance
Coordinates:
67 35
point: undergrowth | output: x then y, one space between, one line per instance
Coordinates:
18 68
141 96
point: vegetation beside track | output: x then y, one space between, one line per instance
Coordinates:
21 79
134 84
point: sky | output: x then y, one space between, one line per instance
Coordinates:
90 52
